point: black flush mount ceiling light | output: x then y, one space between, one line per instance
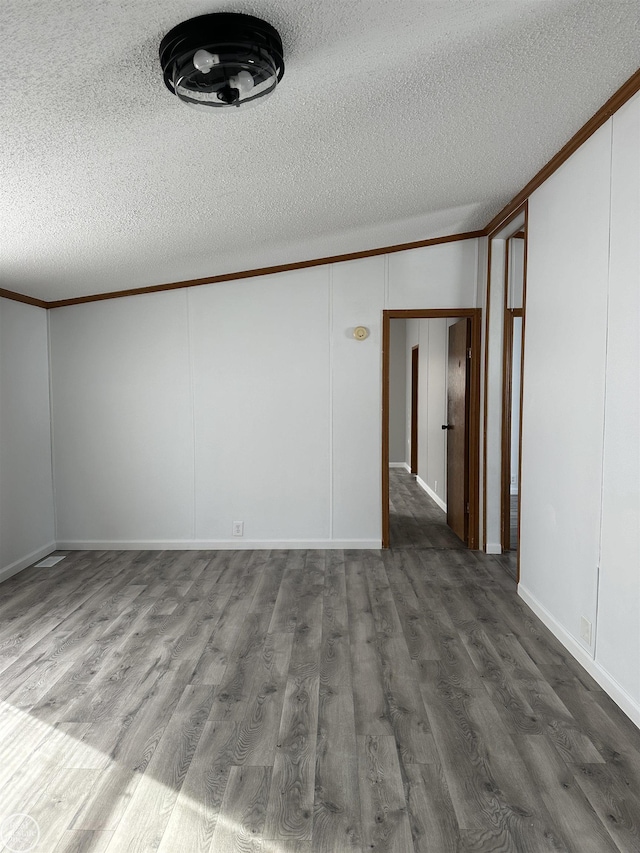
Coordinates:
222 60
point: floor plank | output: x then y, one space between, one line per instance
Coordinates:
195 814
241 820
149 810
384 810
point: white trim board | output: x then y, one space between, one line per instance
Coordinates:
238 544
493 548
431 493
619 695
26 561
400 465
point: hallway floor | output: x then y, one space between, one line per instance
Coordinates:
302 701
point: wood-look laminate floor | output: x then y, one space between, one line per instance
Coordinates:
513 521
298 702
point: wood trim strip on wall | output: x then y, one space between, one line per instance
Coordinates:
522 313
280 268
20 297
508 220
487 306
524 208
386 359
507 369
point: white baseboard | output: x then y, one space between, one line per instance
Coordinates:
431 493
493 548
400 465
26 561
218 544
610 686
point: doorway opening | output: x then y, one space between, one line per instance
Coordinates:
511 381
459 422
504 362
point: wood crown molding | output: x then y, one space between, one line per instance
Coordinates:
21 297
617 100
235 276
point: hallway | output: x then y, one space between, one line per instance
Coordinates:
417 522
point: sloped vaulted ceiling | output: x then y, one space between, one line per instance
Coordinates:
396 121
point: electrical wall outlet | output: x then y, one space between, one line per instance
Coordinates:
585 630
237 528
513 480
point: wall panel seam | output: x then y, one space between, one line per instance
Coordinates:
331 412
604 394
192 403
51 433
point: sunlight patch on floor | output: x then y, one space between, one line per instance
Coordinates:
47 773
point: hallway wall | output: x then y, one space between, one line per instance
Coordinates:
430 335
398 391
580 487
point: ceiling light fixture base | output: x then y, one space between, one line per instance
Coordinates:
225 59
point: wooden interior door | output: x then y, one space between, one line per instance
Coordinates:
457 426
414 410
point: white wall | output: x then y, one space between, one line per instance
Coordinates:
123 421
432 464
618 635
398 390
515 300
357 297
412 332
442 276
431 336
26 491
516 273
178 413
564 384
579 525
262 407
493 392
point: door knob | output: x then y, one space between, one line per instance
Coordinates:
447 426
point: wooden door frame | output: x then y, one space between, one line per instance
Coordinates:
505 230
415 354
475 315
507 404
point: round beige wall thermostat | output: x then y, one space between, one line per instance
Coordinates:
360 333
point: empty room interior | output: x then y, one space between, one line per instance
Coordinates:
320 427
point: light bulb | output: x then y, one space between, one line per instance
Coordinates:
204 61
242 81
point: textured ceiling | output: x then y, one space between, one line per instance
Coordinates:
396 120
